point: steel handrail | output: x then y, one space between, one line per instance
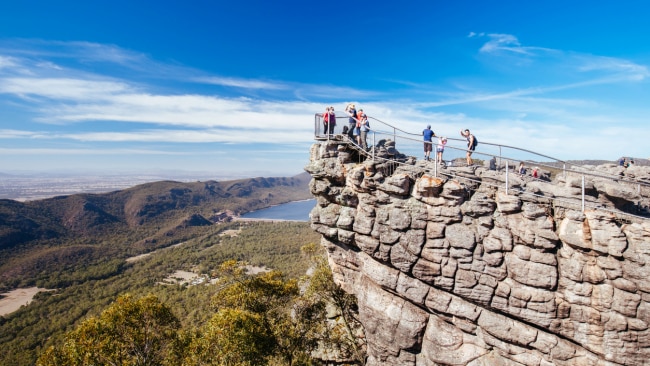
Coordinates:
564 168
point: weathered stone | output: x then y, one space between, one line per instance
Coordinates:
625 303
401 258
346 237
443 344
606 236
493 259
413 241
444 214
459 236
380 274
411 289
366 243
399 219
399 184
507 203
454 271
363 223
499 239
506 329
346 218
391 323
531 273
435 230
426 271
602 297
387 235
478 205
572 232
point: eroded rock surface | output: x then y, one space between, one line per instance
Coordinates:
454 271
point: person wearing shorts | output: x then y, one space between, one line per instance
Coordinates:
471 145
428 144
442 141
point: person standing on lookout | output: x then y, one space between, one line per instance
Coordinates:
332 120
471 145
365 127
428 144
351 110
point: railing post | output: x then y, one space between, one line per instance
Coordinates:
500 158
435 166
373 145
583 193
507 169
564 170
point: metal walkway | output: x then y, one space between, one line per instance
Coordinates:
411 143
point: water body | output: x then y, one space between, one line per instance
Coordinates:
297 211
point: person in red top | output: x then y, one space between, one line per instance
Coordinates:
332 120
326 121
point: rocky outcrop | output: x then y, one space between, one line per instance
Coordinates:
451 270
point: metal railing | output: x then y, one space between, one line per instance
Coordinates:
408 143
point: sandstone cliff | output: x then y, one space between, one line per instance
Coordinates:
451 270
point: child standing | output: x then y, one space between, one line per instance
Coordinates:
442 141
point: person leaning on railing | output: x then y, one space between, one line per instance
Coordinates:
471 145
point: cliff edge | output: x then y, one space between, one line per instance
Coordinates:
450 269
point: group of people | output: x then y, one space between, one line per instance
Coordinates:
428 135
357 128
522 170
625 163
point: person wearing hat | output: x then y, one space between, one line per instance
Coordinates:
428 144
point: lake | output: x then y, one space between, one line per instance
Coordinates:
296 211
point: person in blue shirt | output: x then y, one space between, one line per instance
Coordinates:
428 144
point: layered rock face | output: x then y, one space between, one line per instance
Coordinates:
454 271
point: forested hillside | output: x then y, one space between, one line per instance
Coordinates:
91 249
89 290
41 242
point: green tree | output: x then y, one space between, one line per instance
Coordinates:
343 332
232 337
130 332
260 319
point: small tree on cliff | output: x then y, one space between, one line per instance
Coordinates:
344 333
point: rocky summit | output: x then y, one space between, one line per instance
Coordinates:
450 268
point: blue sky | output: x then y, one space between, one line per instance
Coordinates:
232 86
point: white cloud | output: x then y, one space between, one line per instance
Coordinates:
7 62
60 89
503 42
147 113
615 66
240 83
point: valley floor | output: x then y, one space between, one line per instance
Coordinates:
14 299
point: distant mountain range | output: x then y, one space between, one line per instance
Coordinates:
130 221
